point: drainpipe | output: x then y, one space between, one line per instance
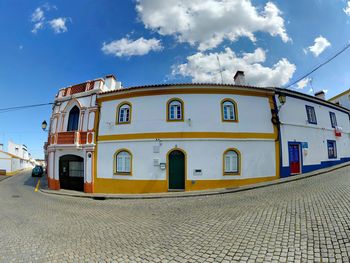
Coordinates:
276 122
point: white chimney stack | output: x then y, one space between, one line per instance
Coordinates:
321 95
239 78
111 83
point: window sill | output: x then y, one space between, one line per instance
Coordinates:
232 174
180 120
121 123
229 120
123 174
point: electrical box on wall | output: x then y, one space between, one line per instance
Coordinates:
156 162
156 149
197 172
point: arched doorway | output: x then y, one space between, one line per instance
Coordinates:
71 168
176 172
73 119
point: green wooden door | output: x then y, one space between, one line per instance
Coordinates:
176 170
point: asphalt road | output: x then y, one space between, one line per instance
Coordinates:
302 221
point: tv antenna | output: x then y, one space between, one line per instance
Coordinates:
220 70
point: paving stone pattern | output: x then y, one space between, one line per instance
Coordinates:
302 221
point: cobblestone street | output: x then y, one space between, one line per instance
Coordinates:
302 221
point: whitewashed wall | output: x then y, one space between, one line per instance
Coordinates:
203 110
202 113
5 162
258 158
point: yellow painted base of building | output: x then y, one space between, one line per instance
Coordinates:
120 186
16 172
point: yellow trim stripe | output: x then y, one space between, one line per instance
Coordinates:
185 135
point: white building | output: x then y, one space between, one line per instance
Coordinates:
15 159
342 99
184 137
109 139
314 133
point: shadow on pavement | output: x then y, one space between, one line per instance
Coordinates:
31 181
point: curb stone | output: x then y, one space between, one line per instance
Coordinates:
194 193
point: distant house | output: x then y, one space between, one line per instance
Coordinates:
15 159
342 99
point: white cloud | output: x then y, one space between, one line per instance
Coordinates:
347 9
207 23
59 25
37 27
38 18
127 47
320 44
203 67
38 15
303 83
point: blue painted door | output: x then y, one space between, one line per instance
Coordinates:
294 158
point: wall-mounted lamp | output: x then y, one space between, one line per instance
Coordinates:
162 166
44 125
282 99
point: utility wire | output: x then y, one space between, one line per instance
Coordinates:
320 65
3 110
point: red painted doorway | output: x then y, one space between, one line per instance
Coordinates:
294 158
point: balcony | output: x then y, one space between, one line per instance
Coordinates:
79 88
72 137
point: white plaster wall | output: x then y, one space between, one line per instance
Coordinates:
88 168
296 128
343 100
51 165
204 111
16 164
5 164
11 148
258 158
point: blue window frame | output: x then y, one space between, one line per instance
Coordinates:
311 115
333 119
332 149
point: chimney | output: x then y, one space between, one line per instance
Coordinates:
1 147
111 83
239 78
321 95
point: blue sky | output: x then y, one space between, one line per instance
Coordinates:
47 45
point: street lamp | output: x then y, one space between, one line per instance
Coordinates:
44 125
275 118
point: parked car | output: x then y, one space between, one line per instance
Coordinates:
37 171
